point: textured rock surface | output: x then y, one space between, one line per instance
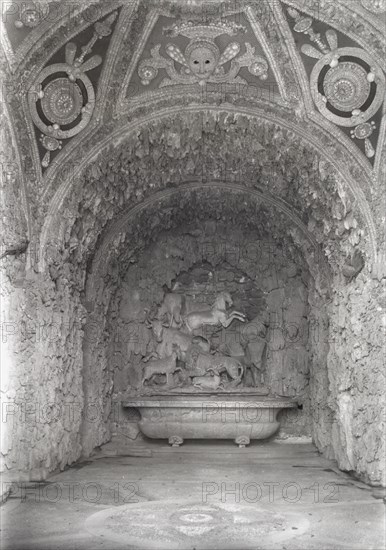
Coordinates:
45 402
344 337
357 377
41 386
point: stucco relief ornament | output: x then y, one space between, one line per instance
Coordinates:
375 6
347 86
364 131
31 14
202 60
62 99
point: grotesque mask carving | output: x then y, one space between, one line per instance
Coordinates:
202 58
202 61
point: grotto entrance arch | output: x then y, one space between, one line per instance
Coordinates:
343 221
171 208
60 192
102 255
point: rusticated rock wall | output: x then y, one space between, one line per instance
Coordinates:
41 341
347 376
344 319
45 399
327 208
357 377
13 235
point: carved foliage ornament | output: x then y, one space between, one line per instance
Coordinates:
347 86
202 60
62 99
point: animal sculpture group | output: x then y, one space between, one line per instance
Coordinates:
184 358
195 316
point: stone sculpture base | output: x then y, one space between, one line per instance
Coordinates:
237 417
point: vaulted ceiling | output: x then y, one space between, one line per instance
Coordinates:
113 101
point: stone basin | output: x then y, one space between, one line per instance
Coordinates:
238 417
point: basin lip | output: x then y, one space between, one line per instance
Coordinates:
185 401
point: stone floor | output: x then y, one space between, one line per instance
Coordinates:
200 496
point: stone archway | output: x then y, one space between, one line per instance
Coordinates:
162 157
138 228
264 158
196 122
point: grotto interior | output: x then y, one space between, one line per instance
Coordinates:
165 158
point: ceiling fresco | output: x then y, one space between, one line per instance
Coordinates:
81 76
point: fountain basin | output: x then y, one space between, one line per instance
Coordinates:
237 417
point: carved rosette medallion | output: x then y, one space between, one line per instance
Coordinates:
202 60
31 14
60 107
347 86
62 99
28 18
351 91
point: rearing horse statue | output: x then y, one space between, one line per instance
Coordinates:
217 315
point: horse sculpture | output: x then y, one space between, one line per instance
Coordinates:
176 306
217 315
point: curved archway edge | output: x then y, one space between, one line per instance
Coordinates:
102 256
50 226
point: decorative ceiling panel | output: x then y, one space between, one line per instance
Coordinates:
238 48
76 79
26 23
346 84
62 99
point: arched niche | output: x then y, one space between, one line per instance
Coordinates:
167 233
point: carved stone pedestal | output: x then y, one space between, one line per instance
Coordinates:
175 441
242 441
